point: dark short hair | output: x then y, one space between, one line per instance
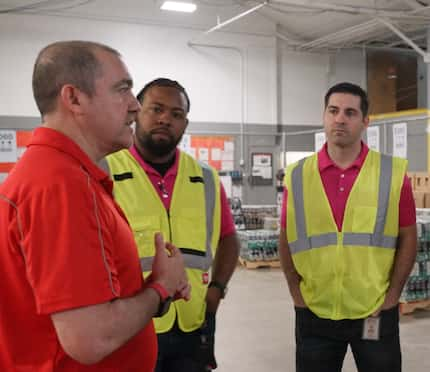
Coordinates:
66 62
164 82
349 88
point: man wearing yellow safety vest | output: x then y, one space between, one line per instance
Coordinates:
161 188
348 242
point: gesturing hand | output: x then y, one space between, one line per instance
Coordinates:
168 269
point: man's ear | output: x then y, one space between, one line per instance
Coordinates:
366 121
72 98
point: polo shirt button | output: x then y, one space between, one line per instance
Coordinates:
341 189
342 176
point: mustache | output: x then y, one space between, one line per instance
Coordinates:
161 130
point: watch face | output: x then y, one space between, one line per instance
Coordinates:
164 306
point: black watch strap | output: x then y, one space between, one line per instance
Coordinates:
222 288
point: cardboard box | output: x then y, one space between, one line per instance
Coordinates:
419 197
422 181
427 200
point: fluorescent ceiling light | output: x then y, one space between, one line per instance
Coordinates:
178 6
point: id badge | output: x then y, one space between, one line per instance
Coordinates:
371 328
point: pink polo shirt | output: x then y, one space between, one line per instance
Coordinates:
338 183
164 187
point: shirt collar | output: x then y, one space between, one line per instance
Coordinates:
324 160
148 169
44 136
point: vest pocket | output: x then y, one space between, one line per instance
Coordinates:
364 219
189 229
144 232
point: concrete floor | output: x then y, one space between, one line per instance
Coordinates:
255 329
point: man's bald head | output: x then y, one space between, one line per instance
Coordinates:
66 62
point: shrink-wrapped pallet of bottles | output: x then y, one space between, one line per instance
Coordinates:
254 215
259 245
417 287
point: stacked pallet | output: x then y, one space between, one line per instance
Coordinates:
416 292
420 182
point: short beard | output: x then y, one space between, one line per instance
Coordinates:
158 149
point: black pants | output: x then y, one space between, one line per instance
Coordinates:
179 351
322 343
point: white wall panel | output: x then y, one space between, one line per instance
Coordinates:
210 75
304 82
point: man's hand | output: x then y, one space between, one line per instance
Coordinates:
168 269
391 300
207 343
295 291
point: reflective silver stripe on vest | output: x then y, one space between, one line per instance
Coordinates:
200 262
373 240
313 242
377 239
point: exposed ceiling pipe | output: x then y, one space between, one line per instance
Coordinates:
287 39
339 34
348 9
415 38
235 18
404 38
412 4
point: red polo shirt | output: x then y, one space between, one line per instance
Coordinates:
338 184
64 244
164 187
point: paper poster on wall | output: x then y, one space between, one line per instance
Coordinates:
400 140
373 138
319 141
185 143
20 140
216 154
227 155
228 146
192 152
204 154
8 152
227 184
227 165
261 171
217 151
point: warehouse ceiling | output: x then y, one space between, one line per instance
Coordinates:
307 25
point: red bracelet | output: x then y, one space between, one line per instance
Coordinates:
159 288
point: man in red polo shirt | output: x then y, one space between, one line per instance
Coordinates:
73 298
348 242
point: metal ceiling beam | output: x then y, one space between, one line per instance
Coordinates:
287 39
318 5
404 38
412 4
415 38
235 18
329 6
339 34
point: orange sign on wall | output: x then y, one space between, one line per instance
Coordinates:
217 151
22 139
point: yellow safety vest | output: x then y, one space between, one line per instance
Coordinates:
345 274
192 224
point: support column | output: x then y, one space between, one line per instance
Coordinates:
426 60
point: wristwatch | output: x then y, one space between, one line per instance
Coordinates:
165 299
221 287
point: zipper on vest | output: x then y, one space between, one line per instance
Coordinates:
340 272
170 225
